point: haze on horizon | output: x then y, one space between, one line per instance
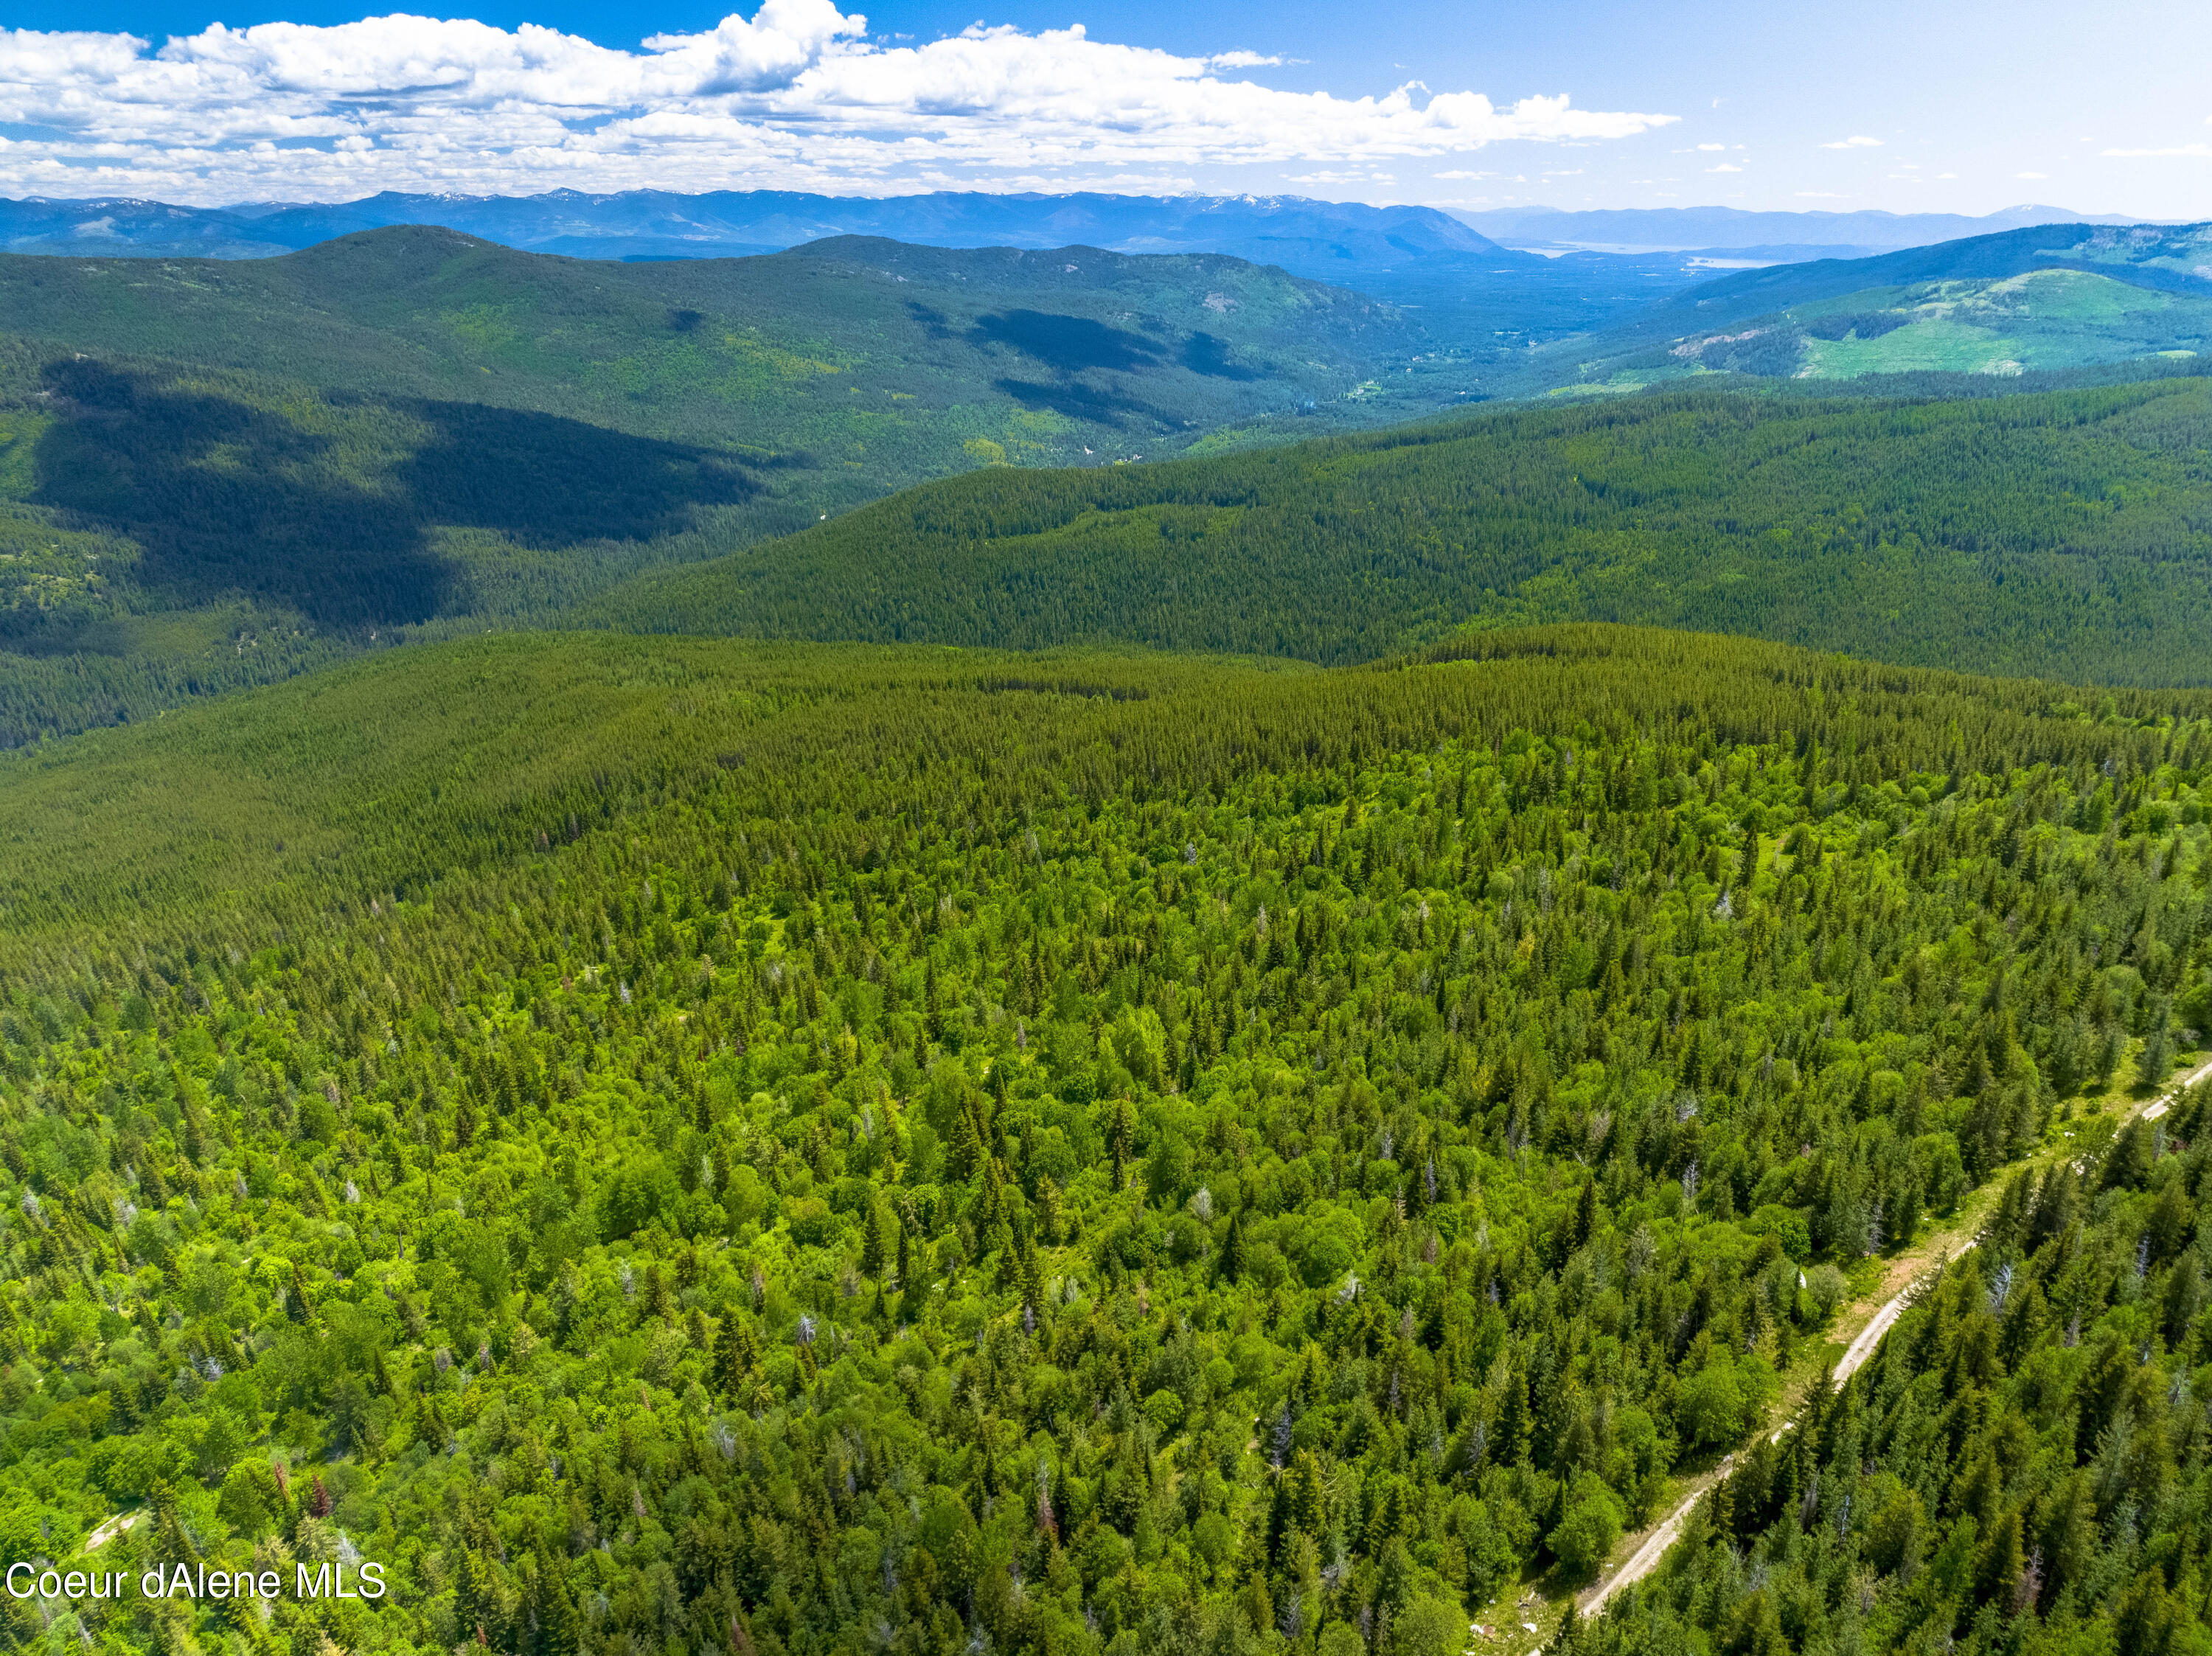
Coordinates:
1593 103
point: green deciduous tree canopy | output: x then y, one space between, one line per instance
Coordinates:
818 1149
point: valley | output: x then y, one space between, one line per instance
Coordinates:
216 474
790 1060
956 949
2040 300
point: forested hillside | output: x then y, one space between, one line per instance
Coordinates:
217 473
2051 297
835 1149
2019 1469
2048 320
2063 534
1324 240
758 355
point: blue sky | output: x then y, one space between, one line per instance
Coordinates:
1956 106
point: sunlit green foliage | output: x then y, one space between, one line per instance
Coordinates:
2020 1467
2046 320
2062 534
2049 299
409 433
792 1150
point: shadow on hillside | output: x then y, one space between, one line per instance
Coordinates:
1204 354
1078 401
331 513
1069 343
51 634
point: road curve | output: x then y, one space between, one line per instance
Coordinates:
1653 1548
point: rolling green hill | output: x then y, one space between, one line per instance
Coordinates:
853 349
795 1149
935 1120
212 473
216 473
2062 534
2051 298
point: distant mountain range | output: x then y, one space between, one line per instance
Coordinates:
1583 299
218 472
1777 238
2047 297
1566 273
1328 240
411 425
1466 288
1334 241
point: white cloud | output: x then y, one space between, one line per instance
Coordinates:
1710 146
1725 167
1242 60
797 96
1856 140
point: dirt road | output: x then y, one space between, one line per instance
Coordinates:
1653 1545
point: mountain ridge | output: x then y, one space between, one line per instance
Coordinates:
2052 534
1690 229
2045 296
1310 231
1304 234
212 472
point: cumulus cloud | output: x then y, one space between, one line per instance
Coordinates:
799 95
1856 140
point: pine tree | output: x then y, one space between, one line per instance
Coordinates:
2003 1559
1232 1248
168 1546
298 1306
965 1155
737 1353
472 1599
1309 1510
1031 1275
557 1631
876 1244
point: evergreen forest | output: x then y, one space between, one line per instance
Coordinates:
2061 534
899 951
216 474
703 1145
